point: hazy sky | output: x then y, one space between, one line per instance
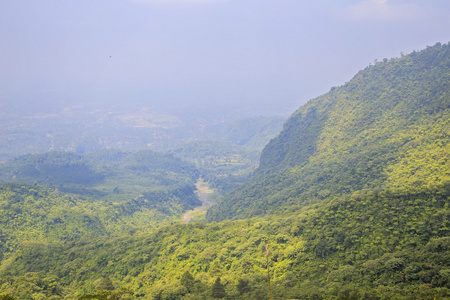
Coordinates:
270 54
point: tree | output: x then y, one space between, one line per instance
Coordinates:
218 290
104 284
188 281
242 286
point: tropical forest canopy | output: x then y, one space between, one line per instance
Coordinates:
351 199
387 128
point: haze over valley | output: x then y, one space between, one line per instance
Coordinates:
222 149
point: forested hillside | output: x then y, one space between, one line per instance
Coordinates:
352 199
123 189
111 175
370 245
388 127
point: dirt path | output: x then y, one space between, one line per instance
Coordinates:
203 192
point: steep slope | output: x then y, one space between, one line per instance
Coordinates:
389 127
252 133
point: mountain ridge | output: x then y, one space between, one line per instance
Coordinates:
361 212
357 136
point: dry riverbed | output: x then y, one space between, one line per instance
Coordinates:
203 193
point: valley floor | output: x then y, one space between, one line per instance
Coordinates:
203 193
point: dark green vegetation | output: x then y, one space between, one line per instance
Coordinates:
223 165
111 175
129 189
352 197
386 128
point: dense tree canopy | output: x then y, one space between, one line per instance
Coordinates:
388 127
352 197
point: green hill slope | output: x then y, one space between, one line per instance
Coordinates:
370 245
164 183
30 213
388 127
33 214
357 181
98 194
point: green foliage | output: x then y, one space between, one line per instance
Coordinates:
145 182
218 290
222 164
358 179
243 286
386 128
104 284
389 244
30 213
34 214
121 294
187 280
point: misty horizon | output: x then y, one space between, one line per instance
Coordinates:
153 74
175 55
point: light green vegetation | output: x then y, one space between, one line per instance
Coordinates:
386 128
104 193
385 245
352 197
